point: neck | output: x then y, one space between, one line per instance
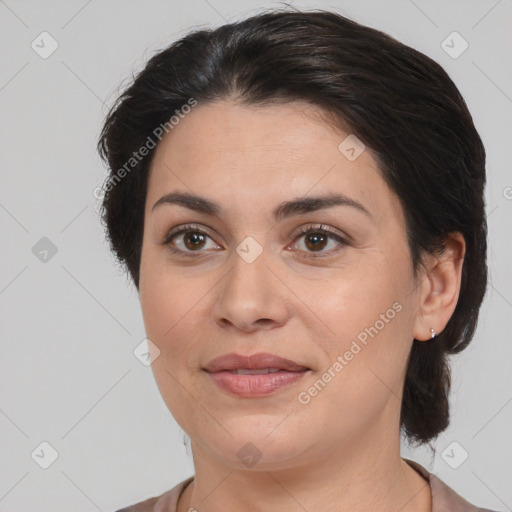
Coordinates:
355 476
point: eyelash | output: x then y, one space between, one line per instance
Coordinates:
190 228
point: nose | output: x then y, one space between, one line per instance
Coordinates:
252 296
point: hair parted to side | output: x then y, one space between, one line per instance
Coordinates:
399 102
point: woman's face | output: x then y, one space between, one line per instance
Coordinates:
244 281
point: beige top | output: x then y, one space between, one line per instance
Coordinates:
444 498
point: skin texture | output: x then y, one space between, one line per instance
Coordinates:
340 451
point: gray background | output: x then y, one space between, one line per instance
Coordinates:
70 324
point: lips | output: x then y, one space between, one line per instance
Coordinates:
236 363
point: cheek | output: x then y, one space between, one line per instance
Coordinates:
365 351
173 312
168 311
163 298
364 318
351 299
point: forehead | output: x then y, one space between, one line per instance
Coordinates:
247 156
227 126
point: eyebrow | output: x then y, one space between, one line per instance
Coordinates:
285 209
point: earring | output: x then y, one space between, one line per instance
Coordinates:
432 333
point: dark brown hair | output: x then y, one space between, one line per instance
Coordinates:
399 102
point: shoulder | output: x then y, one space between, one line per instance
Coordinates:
166 502
444 498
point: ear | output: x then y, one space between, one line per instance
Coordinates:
440 287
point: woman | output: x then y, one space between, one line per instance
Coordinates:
299 201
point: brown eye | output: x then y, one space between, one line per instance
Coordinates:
188 240
194 240
316 239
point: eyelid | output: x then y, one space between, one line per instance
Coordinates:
185 228
314 227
